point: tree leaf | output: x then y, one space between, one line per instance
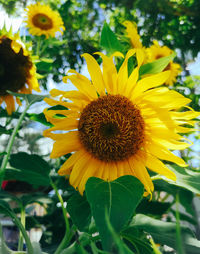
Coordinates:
109 40
118 198
80 212
165 233
157 65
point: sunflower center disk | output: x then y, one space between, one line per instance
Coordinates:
111 128
14 67
42 21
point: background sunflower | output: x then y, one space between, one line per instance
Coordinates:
18 73
42 20
155 52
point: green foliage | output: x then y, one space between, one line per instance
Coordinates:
110 199
165 232
78 203
29 168
109 40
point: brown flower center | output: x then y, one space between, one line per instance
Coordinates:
111 128
42 21
14 67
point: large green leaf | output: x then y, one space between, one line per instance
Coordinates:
109 40
186 178
165 233
29 168
157 65
118 199
79 210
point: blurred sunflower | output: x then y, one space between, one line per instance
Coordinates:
42 20
132 34
155 52
17 71
117 125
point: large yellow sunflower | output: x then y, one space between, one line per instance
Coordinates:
117 125
42 20
155 52
17 71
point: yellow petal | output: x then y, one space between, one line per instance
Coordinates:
164 154
79 169
150 82
82 83
123 73
141 173
89 172
10 104
157 166
109 73
95 73
68 144
70 162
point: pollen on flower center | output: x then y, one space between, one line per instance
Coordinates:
111 128
42 21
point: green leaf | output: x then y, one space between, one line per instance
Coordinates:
39 118
157 65
165 233
118 198
153 207
138 240
79 210
2 154
31 98
118 245
30 162
109 40
46 60
29 168
186 178
4 208
3 130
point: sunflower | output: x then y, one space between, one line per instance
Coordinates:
116 125
132 34
155 52
42 20
17 71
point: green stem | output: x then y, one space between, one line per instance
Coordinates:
178 228
38 46
10 144
23 221
23 231
67 235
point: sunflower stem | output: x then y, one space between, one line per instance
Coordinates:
68 234
10 144
23 222
38 46
23 231
178 228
